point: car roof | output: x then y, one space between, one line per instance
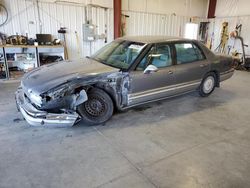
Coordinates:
153 39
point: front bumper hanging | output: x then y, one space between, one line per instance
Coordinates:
37 117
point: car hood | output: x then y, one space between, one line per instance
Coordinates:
49 76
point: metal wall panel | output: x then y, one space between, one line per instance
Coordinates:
226 8
192 8
24 19
142 23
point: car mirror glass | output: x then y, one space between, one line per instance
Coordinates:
150 69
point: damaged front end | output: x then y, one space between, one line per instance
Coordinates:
55 108
59 106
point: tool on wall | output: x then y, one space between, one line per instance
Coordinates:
78 44
3 38
203 31
210 41
224 38
242 61
123 24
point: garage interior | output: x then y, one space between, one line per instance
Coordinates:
186 141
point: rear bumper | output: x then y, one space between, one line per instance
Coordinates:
226 75
37 117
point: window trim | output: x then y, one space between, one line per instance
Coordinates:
155 45
139 58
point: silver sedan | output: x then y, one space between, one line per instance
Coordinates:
127 72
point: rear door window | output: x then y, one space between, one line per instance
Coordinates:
187 53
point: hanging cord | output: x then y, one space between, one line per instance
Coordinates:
78 44
39 17
19 12
4 9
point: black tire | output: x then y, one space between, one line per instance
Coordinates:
208 84
248 69
98 108
236 65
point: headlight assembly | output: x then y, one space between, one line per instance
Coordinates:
57 93
36 99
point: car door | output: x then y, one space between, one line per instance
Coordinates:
154 85
191 66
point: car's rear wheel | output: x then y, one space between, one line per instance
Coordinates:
98 108
248 68
207 85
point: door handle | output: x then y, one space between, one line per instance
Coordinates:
203 65
170 72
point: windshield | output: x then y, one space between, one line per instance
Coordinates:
120 53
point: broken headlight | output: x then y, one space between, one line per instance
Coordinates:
36 99
56 93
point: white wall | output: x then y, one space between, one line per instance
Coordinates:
226 8
161 17
189 8
105 3
147 17
140 23
24 19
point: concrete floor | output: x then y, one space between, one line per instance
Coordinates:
184 142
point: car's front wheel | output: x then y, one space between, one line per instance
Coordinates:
207 85
98 108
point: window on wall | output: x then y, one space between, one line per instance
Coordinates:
159 56
187 53
191 31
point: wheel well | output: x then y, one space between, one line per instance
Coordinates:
217 77
108 91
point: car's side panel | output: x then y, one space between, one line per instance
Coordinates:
224 67
147 87
189 75
221 64
226 75
183 78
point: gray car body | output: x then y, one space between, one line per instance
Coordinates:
127 88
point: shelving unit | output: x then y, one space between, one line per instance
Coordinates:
19 59
3 70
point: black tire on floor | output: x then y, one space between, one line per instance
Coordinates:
208 84
98 108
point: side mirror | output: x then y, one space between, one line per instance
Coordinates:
150 69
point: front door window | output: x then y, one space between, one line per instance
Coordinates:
159 56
